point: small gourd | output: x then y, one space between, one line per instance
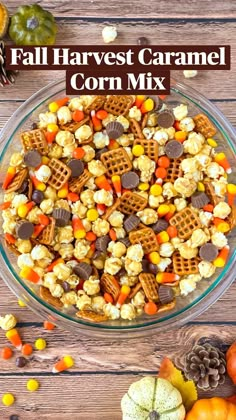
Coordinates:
212 409
231 362
4 20
152 399
32 25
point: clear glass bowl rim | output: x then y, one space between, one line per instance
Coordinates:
194 309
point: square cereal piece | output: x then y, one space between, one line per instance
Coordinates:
116 162
204 126
60 173
118 104
185 221
146 238
149 285
131 203
34 139
183 266
150 148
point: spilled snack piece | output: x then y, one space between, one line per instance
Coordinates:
118 206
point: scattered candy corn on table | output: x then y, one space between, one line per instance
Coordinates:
102 371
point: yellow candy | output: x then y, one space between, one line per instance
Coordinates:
156 189
40 344
154 257
223 227
231 188
163 237
212 142
32 385
53 107
80 234
22 211
125 289
8 399
21 303
138 150
62 193
92 215
45 160
143 186
85 260
163 209
200 186
69 361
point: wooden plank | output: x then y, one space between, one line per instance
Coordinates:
208 82
95 397
7 109
160 9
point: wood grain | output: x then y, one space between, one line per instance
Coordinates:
122 9
208 82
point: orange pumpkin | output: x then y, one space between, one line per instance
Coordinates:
231 362
212 408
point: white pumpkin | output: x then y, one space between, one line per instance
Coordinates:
152 399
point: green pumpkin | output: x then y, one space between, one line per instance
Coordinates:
32 25
152 399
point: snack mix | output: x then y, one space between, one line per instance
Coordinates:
117 205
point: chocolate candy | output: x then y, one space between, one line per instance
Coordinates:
174 149
131 223
114 129
199 199
142 40
129 180
100 152
24 187
153 268
21 361
166 119
157 101
32 158
145 266
61 216
166 294
76 166
14 417
96 254
122 272
24 229
83 270
208 252
125 241
102 242
160 225
65 286
38 196
34 126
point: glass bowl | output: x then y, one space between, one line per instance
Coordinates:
207 291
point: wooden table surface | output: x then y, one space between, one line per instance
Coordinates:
104 369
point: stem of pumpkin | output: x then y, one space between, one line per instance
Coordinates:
32 23
154 415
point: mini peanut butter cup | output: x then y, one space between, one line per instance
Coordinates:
24 229
131 222
32 158
160 225
129 180
114 129
174 149
76 166
200 199
166 119
208 252
102 243
61 216
166 294
83 270
125 241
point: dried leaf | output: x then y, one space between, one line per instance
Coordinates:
187 389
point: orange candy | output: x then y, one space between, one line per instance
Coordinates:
90 236
209 208
43 219
172 231
10 238
112 234
78 115
50 136
27 349
108 298
52 265
150 308
72 197
5 205
101 114
164 162
161 172
180 136
97 125
6 353
48 325
78 153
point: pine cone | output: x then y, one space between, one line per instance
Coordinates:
206 366
7 77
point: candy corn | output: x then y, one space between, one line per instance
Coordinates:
231 189
167 277
11 172
63 192
113 144
52 265
139 100
54 106
73 197
14 337
162 237
29 274
124 293
65 363
102 183
220 261
101 114
10 238
154 257
97 125
221 159
78 228
163 209
221 225
24 209
50 136
5 205
43 221
171 212
147 106
37 184
116 181
101 208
